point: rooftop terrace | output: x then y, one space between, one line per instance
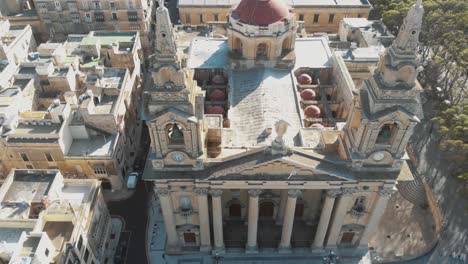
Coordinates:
109 38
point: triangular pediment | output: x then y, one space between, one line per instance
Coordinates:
173 115
279 169
396 113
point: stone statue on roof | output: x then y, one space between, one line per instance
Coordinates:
278 146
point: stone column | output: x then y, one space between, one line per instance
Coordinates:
285 244
251 246
204 218
282 207
377 212
340 214
324 219
217 220
169 219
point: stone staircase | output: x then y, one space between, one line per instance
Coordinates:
414 190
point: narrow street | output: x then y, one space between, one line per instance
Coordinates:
134 212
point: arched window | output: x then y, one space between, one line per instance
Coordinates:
185 205
286 46
386 134
262 51
238 46
359 204
175 134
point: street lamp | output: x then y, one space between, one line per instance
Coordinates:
331 258
217 257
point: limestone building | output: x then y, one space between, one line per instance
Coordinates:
63 17
15 42
45 218
317 16
23 13
263 140
74 108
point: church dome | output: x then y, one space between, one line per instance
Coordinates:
304 79
312 111
308 94
215 110
218 80
217 95
261 12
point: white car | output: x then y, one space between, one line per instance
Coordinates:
132 180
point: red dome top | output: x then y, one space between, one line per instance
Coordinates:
312 111
217 95
304 79
215 110
308 94
261 12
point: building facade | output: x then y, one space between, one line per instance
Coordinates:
61 17
264 141
323 16
61 221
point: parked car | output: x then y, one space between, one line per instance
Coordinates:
132 180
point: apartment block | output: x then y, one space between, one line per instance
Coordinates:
81 113
15 42
45 218
62 18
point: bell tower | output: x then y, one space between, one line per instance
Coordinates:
174 103
388 107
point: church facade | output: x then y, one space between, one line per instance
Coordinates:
261 139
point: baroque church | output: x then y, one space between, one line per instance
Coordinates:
262 140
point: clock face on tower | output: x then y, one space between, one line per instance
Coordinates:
177 157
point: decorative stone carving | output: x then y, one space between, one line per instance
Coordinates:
349 191
294 193
254 193
201 191
216 192
334 193
386 192
162 192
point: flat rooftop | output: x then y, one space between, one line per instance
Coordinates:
368 54
95 146
28 187
9 236
108 38
106 105
313 53
293 3
208 53
35 131
76 193
9 92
